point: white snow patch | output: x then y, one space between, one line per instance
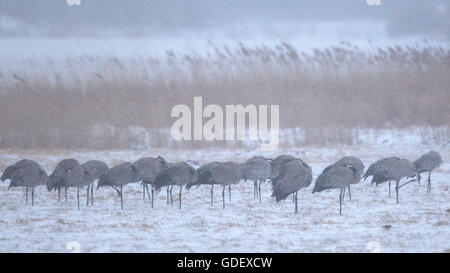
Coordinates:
420 223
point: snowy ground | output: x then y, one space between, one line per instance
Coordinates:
420 223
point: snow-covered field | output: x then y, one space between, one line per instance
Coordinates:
420 223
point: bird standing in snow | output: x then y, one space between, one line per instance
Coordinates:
119 176
204 177
25 173
293 176
380 166
148 169
95 168
427 163
178 174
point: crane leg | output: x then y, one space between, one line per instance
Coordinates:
296 206
87 195
259 191
170 193
167 195
121 198
255 189
340 200
223 196
212 190
59 194
343 195
92 194
143 191
118 192
396 189
78 197
349 193
152 195
32 196
65 189
429 182
418 178
26 195
181 188
229 193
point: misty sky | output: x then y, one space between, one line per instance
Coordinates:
427 18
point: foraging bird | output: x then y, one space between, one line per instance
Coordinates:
148 169
427 163
336 178
396 170
77 177
204 177
118 176
25 173
280 160
95 168
346 161
380 166
7 174
277 162
226 174
55 179
257 169
293 176
178 174
357 164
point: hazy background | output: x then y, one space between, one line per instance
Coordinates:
135 18
106 74
52 28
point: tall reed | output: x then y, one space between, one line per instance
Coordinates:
51 104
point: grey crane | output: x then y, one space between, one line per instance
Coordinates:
226 174
7 174
77 177
338 177
95 168
427 163
178 174
396 170
204 177
118 176
380 166
292 176
357 164
258 169
148 169
281 159
55 179
343 162
25 173
277 162
276 165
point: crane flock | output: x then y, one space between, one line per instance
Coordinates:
286 174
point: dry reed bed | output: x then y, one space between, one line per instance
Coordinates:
55 105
